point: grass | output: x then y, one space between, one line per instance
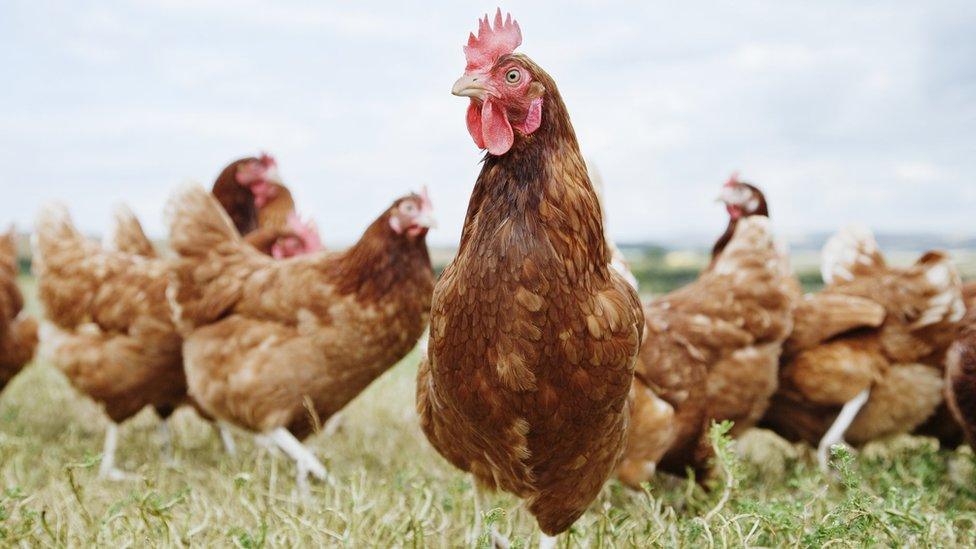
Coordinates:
388 488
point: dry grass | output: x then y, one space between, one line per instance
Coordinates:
388 488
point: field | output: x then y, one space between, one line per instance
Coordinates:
388 488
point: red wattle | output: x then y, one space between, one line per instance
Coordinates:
473 120
495 128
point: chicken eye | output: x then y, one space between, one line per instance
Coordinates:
409 208
513 76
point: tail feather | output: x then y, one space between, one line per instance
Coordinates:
197 223
69 267
8 249
820 317
214 259
127 234
942 290
54 234
851 252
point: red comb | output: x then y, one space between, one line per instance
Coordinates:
267 160
307 231
733 180
492 43
425 202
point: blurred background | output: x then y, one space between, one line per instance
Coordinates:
842 112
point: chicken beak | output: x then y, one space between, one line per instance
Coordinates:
471 85
272 176
725 196
426 220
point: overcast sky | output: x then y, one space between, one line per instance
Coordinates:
842 111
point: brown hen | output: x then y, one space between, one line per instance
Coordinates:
262 208
278 346
18 331
108 325
712 348
865 359
533 336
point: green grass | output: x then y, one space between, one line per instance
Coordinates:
390 489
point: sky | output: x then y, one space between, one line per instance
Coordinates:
842 111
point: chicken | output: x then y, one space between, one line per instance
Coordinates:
865 359
960 386
533 336
108 325
128 236
712 348
278 346
18 331
262 208
741 200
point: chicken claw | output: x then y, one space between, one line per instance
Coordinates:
305 461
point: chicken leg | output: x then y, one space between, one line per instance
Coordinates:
166 436
305 461
547 542
835 435
107 469
227 438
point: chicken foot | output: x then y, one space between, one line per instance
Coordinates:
305 461
835 435
107 469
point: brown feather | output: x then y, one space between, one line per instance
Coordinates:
18 332
265 337
128 236
711 354
900 359
109 326
533 338
961 381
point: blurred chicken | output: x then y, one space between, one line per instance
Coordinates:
277 347
262 208
741 200
533 336
18 332
127 235
108 325
865 359
712 348
961 378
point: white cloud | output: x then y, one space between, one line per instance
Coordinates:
864 117
918 172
